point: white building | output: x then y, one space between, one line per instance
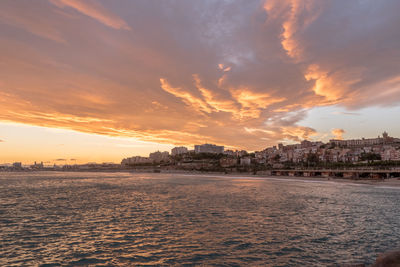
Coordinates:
208 148
179 150
390 153
365 141
135 160
159 156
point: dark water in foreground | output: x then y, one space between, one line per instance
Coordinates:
171 219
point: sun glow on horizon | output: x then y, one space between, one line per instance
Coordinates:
28 143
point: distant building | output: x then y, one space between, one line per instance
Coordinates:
37 165
179 150
208 148
336 151
306 144
365 141
230 153
241 153
135 160
159 156
17 165
390 153
235 153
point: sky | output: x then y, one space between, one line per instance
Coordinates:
102 80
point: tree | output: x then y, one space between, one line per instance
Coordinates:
370 156
312 158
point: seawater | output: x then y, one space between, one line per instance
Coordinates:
123 219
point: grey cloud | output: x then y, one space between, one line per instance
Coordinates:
105 80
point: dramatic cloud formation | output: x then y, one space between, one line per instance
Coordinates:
238 73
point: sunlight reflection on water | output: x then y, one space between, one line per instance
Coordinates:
172 219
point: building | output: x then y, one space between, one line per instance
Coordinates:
241 153
135 160
236 153
179 150
230 153
357 142
37 165
390 153
17 165
336 151
365 141
208 148
159 156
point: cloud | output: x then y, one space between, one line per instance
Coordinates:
298 14
95 11
188 98
14 14
336 64
338 133
235 73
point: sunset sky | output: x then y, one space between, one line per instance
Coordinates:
85 80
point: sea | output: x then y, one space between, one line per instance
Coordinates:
157 219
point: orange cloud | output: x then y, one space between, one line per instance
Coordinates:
218 104
187 97
299 15
95 11
334 84
256 70
241 104
253 103
298 133
338 133
324 85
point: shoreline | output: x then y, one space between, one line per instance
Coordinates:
389 182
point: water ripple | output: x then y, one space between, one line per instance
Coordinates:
119 219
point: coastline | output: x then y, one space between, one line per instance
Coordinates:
389 182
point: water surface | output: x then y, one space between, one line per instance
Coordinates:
119 219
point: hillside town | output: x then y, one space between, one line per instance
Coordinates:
376 152
382 152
